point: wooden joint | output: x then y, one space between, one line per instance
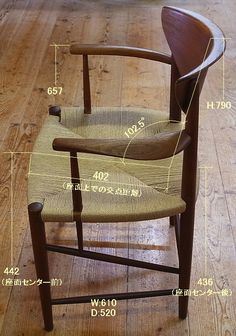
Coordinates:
35 207
55 111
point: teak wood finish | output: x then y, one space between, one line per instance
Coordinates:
153 148
195 44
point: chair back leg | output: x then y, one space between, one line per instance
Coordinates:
185 258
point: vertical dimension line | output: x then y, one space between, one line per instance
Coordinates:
55 65
223 66
11 206
205 219
56 46
205 168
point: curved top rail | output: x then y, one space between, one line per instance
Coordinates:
195 42
211 43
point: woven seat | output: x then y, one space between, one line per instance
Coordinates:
143 189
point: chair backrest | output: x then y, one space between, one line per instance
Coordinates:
195 43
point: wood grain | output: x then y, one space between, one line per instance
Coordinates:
157 147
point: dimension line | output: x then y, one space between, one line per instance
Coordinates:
55 58
205 215
11 205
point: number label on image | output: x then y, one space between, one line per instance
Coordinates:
135 128
100 176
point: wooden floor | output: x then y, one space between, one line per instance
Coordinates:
28 27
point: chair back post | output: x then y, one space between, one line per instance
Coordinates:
189 173
86 85
175 110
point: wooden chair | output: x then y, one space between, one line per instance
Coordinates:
165 143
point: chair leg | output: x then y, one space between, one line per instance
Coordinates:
41 261
185 257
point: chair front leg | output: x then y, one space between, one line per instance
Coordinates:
38 236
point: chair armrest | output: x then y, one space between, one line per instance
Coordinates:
100 49
153 148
